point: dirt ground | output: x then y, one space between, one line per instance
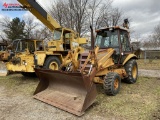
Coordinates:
135 101
149 73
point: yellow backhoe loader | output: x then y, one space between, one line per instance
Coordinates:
52 56
72 87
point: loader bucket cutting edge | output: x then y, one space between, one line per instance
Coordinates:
3 69
72 92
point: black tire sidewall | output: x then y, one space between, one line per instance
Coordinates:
129 67
109 83
51 59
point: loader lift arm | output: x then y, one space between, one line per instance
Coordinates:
75 91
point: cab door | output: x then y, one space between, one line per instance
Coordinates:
125 44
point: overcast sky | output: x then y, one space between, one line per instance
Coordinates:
144 14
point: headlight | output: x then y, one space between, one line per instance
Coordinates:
24 62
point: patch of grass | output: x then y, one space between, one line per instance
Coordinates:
19 83
149 64
135 101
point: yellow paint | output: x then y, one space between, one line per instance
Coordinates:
129 57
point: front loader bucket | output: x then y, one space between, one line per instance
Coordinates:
72 92
3 69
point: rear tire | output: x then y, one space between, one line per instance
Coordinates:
52 63
28 74
131 68
112 83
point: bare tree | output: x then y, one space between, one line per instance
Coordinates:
92 8
80 14
96 9
43 33
30 26
4 23
156 35
153 40
57 9
110 17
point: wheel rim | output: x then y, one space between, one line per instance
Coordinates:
53 66
134 72
116 84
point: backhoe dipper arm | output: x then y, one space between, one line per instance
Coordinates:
40 13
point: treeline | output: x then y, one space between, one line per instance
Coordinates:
75 14
153 40
20 29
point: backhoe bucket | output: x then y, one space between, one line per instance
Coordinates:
3 69
72 92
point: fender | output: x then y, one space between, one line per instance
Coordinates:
129 57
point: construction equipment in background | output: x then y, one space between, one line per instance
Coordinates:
52 56
7 53
72 87
3 57
3 51
23 59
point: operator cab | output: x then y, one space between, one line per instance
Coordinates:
107 39
3 46
116 38
64 37
28 45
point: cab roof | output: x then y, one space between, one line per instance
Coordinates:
113 27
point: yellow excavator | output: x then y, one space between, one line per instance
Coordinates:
34 53
72 88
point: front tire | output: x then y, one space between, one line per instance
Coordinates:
52 63
131 68
112 83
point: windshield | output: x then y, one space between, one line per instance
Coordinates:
21 46
39 46
31 46
15 45
2 48
106 39
57 35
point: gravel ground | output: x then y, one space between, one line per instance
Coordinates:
19 105
149 73
16 106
